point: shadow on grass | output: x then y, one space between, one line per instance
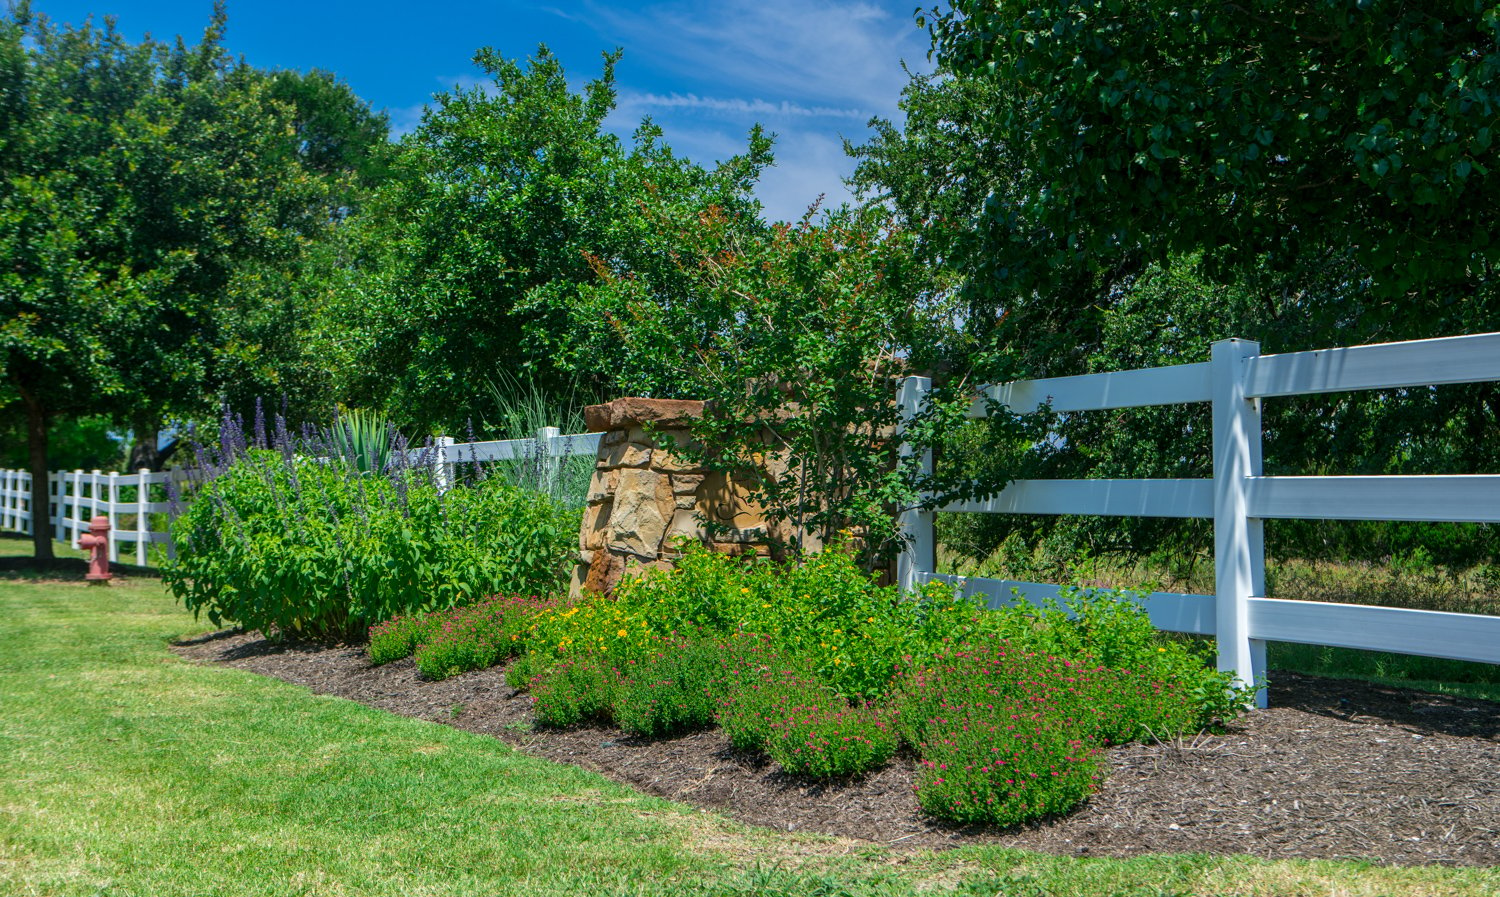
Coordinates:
17 564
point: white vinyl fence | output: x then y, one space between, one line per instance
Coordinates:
1240 616
546 449
139 513
135 503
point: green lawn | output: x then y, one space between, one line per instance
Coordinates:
126 771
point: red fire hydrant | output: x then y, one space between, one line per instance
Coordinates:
97 543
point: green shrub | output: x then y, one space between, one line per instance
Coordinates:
575 691
304 547
1003 764
398 637
847 630
476 637
676 690
825 738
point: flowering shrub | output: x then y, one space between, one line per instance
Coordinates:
825 738
1002 764
753 706
848 631
475 637
1100 627
575 691
295 542
398 637
677 689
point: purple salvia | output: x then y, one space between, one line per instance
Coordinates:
260 424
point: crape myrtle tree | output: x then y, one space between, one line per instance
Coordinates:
469 259
137 182
797 338
1117 184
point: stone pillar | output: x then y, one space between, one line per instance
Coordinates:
644 499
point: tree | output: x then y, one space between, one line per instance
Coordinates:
136 182
797 338
1253 132
470 258
1114 185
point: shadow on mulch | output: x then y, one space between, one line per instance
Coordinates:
1334 769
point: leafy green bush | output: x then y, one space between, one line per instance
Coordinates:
675 690
829 613
475 637
825 738
575 691
305 547
398 637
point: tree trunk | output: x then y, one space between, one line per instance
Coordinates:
36 440
144 451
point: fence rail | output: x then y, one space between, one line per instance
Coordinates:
139 513
1240 616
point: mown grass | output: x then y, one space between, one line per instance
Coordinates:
125 771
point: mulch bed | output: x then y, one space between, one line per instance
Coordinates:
1334 769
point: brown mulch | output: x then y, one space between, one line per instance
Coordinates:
1334 769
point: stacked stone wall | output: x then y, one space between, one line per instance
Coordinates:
645 499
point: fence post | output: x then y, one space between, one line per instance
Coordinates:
112 498
442 471
142 521
56 518
8 515
75 521
544 437
918 540
1239 541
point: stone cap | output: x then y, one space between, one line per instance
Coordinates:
629 412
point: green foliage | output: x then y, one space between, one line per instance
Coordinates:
1259 131
576 691
303 547
676 690
399 636
826 610
799 338
473 637
471 257
361 440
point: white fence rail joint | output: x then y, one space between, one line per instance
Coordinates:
1238 498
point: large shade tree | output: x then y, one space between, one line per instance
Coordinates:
137 183
499 207
1114 185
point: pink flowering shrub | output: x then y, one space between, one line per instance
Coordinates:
672 691
1006 735
478 636
1003 764
576 691
398 637
802 724
826 738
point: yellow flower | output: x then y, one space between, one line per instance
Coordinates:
1161 650
871 620
622 633
745 591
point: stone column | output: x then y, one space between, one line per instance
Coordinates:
644 500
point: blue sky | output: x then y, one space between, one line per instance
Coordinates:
812 72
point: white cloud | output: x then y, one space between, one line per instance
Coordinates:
737 106
813 72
